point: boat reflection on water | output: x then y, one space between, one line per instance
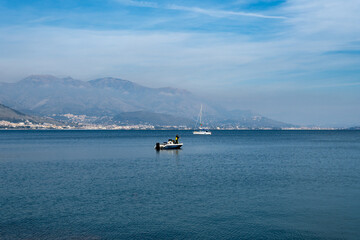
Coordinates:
169 154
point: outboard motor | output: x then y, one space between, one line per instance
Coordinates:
157 146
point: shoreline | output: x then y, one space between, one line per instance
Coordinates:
100 129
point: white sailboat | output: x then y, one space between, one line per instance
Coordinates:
201 131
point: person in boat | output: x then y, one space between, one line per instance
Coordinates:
177 139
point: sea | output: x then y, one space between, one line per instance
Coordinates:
79 184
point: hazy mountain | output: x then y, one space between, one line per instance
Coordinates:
252 122
107 96
50 95
11 115
47 95
155 119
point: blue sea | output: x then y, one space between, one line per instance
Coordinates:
230 185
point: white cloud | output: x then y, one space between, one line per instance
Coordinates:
210 12
221 13
331 17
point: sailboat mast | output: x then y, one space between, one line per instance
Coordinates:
200 114
201 131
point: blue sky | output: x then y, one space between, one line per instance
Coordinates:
297 61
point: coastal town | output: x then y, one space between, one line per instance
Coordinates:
49 126
28 125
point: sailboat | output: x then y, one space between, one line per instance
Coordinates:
201 131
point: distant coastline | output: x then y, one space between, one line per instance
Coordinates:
128 108
27 125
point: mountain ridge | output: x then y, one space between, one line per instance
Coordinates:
47 95
12 115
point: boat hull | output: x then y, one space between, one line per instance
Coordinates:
168 146
173 146
202 132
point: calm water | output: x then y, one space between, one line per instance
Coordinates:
231 185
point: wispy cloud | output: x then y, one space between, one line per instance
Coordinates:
139 3
44 19
209 12
220 13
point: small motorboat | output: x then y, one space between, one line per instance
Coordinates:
170 144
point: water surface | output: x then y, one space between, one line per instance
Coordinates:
231 185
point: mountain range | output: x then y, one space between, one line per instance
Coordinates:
11 115
116 100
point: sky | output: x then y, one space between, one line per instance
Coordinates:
296 61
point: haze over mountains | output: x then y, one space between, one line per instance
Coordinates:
11 115
8 114
116 100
